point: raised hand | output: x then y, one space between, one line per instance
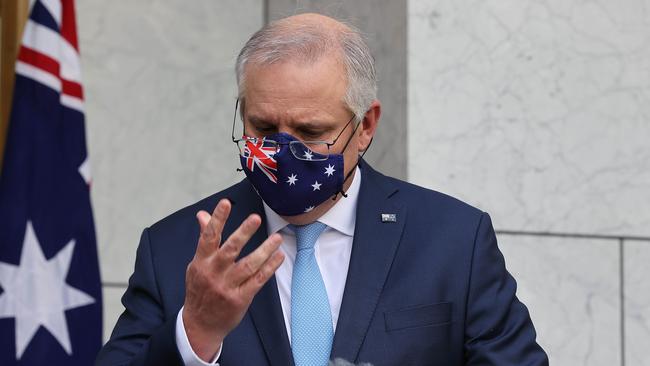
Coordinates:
219 289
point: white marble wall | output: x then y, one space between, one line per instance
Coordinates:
572 296
160 93
538 112
637 304
542 106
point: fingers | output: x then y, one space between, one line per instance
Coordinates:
251 264
249 273
231 247
268 268
204 219
218 219
211 227
220 215
203 247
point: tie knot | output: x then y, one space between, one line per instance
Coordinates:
306 235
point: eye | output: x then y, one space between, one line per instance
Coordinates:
260 126
266 130
311 135
263 130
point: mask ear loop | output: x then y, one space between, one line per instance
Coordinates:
234 119
347 176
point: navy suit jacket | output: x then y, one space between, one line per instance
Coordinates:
428 289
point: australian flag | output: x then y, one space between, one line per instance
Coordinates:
50 290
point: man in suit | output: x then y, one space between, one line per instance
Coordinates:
316 256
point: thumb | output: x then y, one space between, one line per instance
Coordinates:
203 218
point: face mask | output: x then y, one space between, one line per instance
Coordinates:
291 186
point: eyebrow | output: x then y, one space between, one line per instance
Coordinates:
257 121
313 125
302 126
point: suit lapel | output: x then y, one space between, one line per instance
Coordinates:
265 310
374 246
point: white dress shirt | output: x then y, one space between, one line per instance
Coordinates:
333 249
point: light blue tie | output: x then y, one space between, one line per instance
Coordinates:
311 319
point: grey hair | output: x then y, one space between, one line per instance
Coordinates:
278 42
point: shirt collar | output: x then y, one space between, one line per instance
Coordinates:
341 217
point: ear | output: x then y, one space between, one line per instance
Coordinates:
369 125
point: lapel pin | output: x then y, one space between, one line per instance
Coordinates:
388 217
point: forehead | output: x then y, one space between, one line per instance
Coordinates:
290 90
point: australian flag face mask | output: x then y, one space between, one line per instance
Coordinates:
288 184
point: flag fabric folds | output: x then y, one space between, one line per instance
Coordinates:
50 289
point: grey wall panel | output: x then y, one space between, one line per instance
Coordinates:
160 91
571 288
637 303
537 112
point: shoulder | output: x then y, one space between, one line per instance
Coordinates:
183 222
427 213
420 199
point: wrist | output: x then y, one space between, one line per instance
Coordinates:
205 341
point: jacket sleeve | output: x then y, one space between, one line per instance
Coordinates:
498 330
142 335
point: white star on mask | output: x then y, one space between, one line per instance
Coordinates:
308 209
330 170
316 186
292 179
308 155
36 294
